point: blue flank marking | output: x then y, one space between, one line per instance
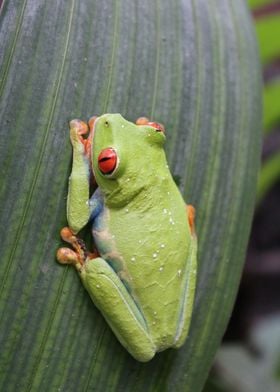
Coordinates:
96 204
100 230
101 235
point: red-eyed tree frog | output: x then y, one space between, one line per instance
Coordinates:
142 272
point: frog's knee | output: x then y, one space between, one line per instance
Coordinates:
143 356
97 266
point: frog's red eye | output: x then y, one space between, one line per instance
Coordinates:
158 127
107 161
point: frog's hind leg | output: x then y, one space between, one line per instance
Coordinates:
119 309
189 282
110 296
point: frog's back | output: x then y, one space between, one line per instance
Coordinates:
154 252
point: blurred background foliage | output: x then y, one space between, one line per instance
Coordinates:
249 358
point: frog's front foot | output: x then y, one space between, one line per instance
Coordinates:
79 255
81 134
78 133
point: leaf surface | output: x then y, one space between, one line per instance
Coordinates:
191 65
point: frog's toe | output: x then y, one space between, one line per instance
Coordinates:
146 121
79 246
142 121
79 126
91 122
67 235
67 256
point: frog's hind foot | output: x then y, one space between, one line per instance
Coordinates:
79 255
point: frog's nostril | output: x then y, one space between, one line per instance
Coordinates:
107 161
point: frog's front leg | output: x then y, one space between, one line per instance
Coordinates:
118 308
78 210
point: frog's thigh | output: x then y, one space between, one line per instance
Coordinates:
189 279
117 306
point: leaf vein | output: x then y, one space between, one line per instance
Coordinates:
113 56
5 73
157 60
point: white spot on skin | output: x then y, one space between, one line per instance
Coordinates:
97 286
133 259
161 269
179 272
154 322
122 126
165 211
126 210
85 58
140 241
158 251
113 235
154 255
128 179
155 313
162 245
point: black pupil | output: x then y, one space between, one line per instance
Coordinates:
104 159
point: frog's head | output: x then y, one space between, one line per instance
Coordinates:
126 158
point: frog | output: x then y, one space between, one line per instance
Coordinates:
141 271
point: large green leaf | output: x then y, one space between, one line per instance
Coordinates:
190 64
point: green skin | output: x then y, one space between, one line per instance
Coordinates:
143 280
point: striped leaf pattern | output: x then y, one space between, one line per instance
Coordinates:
190 64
